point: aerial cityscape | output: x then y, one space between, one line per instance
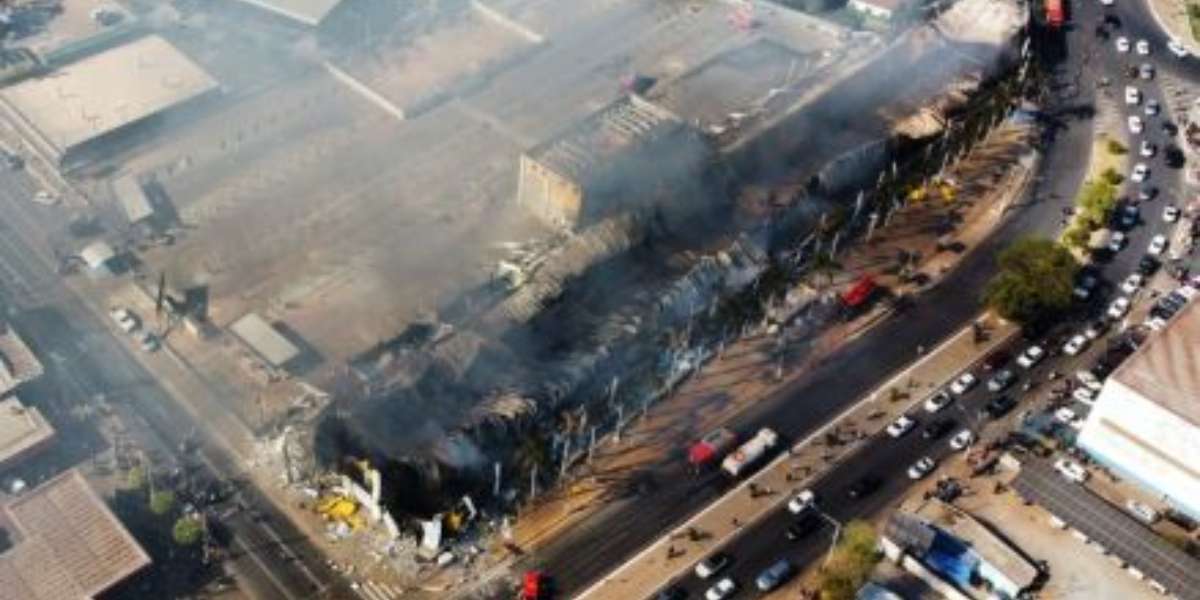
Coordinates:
599 299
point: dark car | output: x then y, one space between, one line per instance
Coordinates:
999 406
672 592
996 359
1170 128
937 429
1173 157
863 486
1148 265
803 527
1147 193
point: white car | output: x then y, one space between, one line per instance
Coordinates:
45 198
1177 49
1140 173
937 402
1135 124
1118 308
1133 283
1142 47
802 502
1089 380
1171 213
1147 149
1152 107
1031 356
1108 2
1158 245
1143 512
148 341
1122 44
901 426
1132 96
125 319
712 565
722 590
1075 345
1071 470
1084 396
962 440
1116 241
921 468
1065 415
963 384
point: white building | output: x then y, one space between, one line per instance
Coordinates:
1146 422
883 10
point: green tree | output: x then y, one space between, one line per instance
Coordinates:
161 502
1115 147
1112 177
188 530
1077 236
1036 276
136 478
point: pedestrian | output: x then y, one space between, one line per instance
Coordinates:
736 522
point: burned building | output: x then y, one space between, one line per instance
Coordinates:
630 156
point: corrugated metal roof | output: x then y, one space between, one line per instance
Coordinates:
264 339
70 546
133 199
1166 369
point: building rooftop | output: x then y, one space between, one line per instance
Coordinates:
68 544
890 6
264 339
17 362
988 546
307 12
584 151
22 430
101 93
1166 369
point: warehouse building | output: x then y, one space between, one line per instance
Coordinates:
1146 421
67 544
67 111
629 156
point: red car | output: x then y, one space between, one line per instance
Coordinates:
537 586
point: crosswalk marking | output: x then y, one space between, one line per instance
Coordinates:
378 591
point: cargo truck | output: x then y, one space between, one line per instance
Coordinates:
746 457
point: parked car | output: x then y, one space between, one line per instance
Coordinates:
671 592
1135 124
1122 44
1146 71
713 564
1094 329
1171 213
962 440
1147 193
1071 470
1132 95
901 426
924 466
1158 245
1177 48
1084 396
1148 265
998 407
1116 241
937 429
1147 149
1142 47
1140 173
1153 107
1133 283
722 590
964 383
1075 345
775 575
1031 357
1128 216
803 527
1089 380
1118 308
1001 380
938 401
125 319
1142 512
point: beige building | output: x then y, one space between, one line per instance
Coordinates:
625 157
1146 421
67 544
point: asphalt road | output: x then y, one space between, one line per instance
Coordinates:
271 558
591 549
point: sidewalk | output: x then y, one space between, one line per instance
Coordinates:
1171 16
795 470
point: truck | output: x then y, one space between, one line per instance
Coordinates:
711 448
749 454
